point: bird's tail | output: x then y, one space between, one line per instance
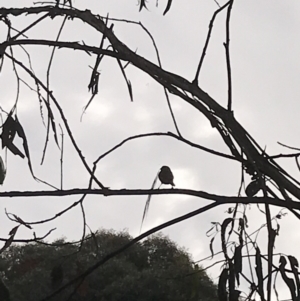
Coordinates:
147 204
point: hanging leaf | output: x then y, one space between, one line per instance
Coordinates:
241 230
143 4
130 90
238 263
222 291
94 84
21 221
12 234
245 220
253 188
22 135
274 286
288 281
8 131
293 262
208 234
259 273
168 6
294 265
233 216
277 229
225 223
241 224
129 86
51 116
8 135
2 171
94 81
13 231
53 125
211 247
272 237
15 150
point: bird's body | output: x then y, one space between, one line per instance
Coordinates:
165 176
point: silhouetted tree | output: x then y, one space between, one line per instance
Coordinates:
155 269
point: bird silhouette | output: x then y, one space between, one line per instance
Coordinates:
165 176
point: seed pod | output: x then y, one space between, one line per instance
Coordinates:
253 188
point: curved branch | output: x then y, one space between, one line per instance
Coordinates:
168 134
62 44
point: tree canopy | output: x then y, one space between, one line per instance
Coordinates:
154 269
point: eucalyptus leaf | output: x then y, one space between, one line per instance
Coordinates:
2 171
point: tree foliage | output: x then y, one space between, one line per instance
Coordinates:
155 269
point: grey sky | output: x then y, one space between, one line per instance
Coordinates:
265 49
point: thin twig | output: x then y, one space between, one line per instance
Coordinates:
63 118
48 98
61 157
195 81
227 51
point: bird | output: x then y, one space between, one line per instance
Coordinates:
165 176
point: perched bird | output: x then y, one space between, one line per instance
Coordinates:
165 176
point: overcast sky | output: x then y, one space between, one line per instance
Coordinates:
265 49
